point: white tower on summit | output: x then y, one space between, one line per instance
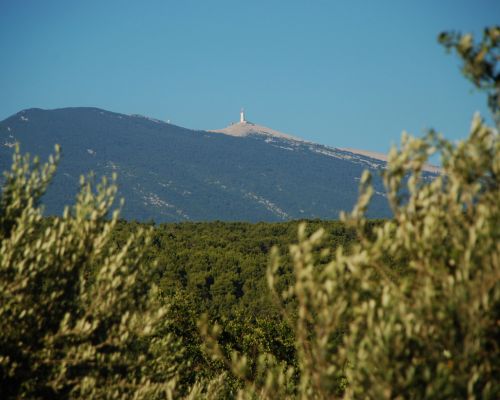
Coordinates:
242 116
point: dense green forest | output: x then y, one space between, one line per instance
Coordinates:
219 269
95 307
221 266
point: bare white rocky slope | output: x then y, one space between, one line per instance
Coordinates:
383 157
245 128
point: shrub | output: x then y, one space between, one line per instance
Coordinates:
77 319
365 329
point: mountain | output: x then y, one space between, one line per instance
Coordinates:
165 172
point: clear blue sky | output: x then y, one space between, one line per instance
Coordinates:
342 73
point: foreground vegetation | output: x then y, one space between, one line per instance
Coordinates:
92 307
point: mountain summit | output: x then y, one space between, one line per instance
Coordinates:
245 172
246 128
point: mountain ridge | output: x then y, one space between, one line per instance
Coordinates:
171 173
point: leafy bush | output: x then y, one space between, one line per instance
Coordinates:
364 329
77 319
480 62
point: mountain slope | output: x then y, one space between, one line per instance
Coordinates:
169 173
246 128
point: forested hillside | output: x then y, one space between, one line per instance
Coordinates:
168 173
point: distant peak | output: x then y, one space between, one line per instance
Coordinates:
246 128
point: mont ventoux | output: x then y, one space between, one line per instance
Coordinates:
166 173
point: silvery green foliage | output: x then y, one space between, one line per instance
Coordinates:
479 62
366 330
76 319
432 333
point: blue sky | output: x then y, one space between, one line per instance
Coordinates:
341 73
